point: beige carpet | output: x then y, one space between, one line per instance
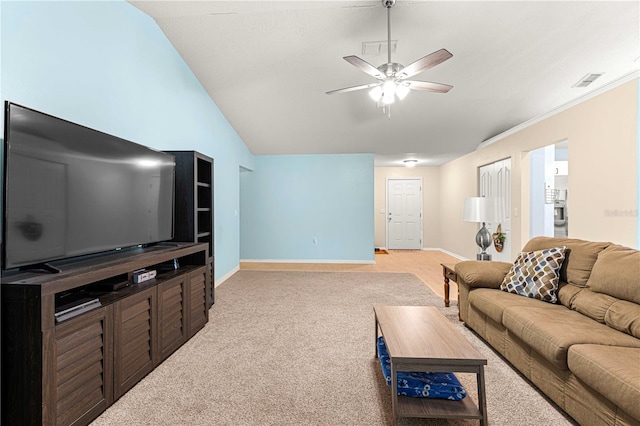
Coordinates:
297 348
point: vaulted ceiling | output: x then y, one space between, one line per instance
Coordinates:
268 64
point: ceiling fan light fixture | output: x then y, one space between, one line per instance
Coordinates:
391 75
402 91
376 93
389 92
387 99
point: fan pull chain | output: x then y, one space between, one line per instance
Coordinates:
386 109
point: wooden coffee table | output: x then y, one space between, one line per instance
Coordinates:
420 338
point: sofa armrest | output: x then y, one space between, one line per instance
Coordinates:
477 273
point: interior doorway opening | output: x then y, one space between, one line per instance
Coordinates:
549 191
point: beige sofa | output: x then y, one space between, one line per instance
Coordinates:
583 352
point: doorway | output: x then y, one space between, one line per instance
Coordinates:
404 213
495 182
549 191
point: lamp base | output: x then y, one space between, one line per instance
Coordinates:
483 240
483 256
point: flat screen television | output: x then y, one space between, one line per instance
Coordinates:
71 191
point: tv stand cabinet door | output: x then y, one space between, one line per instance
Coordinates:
172 315
198 292
81 388
134 340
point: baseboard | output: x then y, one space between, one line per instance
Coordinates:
446 252
319 261
438 249
226 276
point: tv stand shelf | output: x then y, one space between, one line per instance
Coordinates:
69 372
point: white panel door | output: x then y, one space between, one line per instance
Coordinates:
404 214
495 181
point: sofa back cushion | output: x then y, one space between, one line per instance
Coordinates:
617 273
620 315
568 292
579 258
594 305
624 316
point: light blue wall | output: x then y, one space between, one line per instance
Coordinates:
108 66
288 200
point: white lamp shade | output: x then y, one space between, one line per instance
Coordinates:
480 209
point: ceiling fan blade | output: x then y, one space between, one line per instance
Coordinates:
422 64
363 65
353 88
429 86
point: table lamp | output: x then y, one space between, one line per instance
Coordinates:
481 210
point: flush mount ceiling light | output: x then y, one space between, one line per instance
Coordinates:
410 163
391 76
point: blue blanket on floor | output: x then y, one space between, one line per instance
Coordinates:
421 384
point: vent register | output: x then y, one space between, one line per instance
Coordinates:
588 79
378 48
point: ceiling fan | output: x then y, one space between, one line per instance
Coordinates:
392 76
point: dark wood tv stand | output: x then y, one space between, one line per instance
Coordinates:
71 371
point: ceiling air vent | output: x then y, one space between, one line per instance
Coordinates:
588 79
378 47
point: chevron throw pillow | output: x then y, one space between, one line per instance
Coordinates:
536 274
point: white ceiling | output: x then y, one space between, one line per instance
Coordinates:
268 64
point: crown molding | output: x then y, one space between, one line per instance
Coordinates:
609 86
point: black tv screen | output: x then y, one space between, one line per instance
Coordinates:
71 191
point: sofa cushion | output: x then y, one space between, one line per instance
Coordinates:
624 316
612 371
484 274
617 273
551 330
593 305
568 292
535 274
493 303
579 259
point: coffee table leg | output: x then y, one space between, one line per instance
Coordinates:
394 393
482 398
446 292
